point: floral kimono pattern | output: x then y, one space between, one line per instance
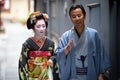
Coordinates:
33 60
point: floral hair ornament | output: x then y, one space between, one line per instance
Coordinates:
37 12
46 16
33 16
36 16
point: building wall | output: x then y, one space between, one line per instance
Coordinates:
118 39
39 5
18 9
114 7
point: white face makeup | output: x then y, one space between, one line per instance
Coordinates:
40 28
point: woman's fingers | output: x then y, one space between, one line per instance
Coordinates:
50 62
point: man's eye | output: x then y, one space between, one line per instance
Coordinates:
73 16
79 15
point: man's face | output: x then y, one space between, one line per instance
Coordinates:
77 17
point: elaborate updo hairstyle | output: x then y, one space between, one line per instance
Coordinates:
31 21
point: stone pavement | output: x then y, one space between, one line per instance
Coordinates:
10 48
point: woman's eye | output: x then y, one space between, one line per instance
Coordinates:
38 26
43 26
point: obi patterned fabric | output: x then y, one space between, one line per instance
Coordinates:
37 62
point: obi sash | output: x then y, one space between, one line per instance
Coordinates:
39 54
37 62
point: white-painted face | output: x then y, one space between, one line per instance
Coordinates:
40 28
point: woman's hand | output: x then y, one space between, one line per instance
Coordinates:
50 62
68 47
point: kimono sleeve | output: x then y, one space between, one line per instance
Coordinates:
23 66
59 52
63 41
104 61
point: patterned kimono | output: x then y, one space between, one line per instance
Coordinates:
33 60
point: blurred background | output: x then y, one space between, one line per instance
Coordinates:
103 15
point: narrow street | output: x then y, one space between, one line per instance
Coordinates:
10 48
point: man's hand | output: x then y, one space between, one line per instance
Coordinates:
68 47
100 77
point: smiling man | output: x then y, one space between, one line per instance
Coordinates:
80 52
